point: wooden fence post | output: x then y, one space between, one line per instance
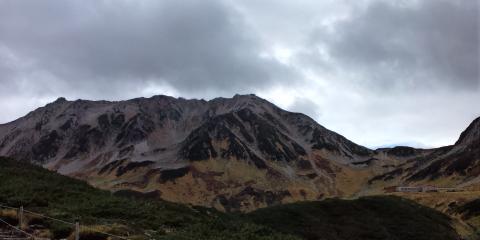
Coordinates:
77 230
20 217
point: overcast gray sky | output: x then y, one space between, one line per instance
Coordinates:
379 72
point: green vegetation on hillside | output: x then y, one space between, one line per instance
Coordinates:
65 198
367 218
364 218
59 196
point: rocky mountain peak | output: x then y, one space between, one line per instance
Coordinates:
83 129
60 100
471 134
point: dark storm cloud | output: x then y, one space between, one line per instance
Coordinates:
113 45
405 44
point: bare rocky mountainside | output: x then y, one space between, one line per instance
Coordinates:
457 165
237 153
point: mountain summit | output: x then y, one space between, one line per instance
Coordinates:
230 153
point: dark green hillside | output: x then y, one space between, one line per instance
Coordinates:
365 218
44 191
62 197
368 218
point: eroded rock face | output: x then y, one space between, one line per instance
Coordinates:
236 153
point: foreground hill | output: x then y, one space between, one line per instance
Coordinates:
239 153
61 197
365 218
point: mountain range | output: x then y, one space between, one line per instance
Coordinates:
239 153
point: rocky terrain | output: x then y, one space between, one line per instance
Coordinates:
237 153
457 165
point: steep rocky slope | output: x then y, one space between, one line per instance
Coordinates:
237 153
